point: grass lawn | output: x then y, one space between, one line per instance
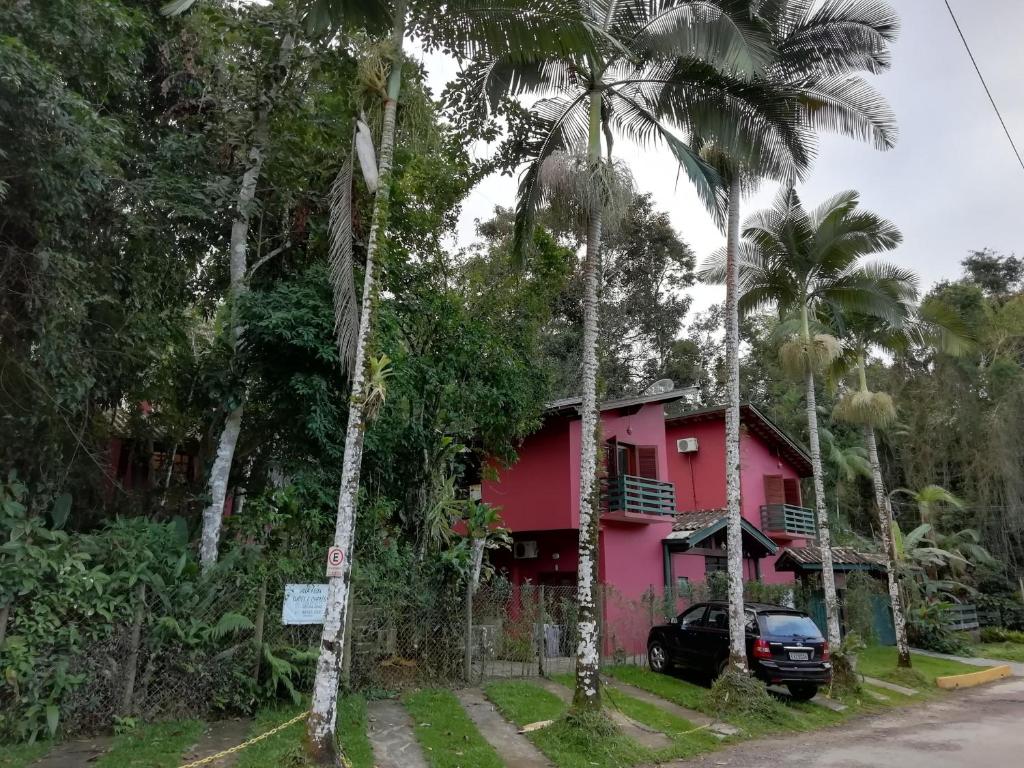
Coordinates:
687 738
1005 651
284 749
566 746
880 661
20 755
785 717
448 737
159 745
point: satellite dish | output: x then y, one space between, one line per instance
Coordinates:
660 387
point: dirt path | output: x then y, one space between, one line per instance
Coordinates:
217 737
981 727
80 753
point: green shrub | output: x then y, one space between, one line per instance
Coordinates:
1001 635
928 628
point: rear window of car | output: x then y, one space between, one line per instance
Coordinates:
790 624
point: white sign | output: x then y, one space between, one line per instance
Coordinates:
335 557
304 604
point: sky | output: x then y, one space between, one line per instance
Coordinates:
952 183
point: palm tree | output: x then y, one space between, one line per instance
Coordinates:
930 324
674 66
801 262
550 26
816 48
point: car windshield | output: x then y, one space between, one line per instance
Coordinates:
790 624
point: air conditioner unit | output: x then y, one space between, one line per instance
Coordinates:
524 550
686 445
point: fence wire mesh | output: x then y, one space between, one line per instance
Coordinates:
223 647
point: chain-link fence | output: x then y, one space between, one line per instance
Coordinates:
223 647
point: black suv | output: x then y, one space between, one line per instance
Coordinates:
783 645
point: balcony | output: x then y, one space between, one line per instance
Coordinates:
788 520
627 495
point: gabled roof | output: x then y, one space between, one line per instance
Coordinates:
755 421
843 559
691 529
570 405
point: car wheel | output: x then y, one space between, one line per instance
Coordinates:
657 658
722 666
802 691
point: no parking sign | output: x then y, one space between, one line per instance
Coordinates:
335 558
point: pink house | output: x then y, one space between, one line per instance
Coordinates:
663 517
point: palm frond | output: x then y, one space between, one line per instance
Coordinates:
559 123
721 33
341 265
848 106
837 36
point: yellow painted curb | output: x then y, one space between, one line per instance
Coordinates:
974 678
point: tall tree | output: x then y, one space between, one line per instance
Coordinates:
801 262
674 66
817 49
930 324
245 206
499 26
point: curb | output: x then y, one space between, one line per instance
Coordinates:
971 679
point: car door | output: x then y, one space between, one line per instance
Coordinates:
685 637
712 644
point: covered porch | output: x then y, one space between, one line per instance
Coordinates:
696 547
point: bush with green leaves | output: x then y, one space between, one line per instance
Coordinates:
1001 635
928 628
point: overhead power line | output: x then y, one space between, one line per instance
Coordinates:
984 84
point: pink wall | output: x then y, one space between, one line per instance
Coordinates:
534 493
768 573
699 477
631 557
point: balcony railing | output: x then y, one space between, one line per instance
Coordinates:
785 518
629 493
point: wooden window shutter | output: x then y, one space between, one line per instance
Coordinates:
611 457
774 490
647 461
792 491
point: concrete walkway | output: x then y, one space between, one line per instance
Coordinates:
392 738
640 733
901 689
515 749
1016 666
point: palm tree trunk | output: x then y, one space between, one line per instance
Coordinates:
828 577
323 707
737 632
213 515
889 546
588 680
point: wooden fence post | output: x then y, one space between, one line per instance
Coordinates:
346 658
541 635
257 635
468 661
133 651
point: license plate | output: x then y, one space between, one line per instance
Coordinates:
794 656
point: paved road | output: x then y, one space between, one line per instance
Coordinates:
980 728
